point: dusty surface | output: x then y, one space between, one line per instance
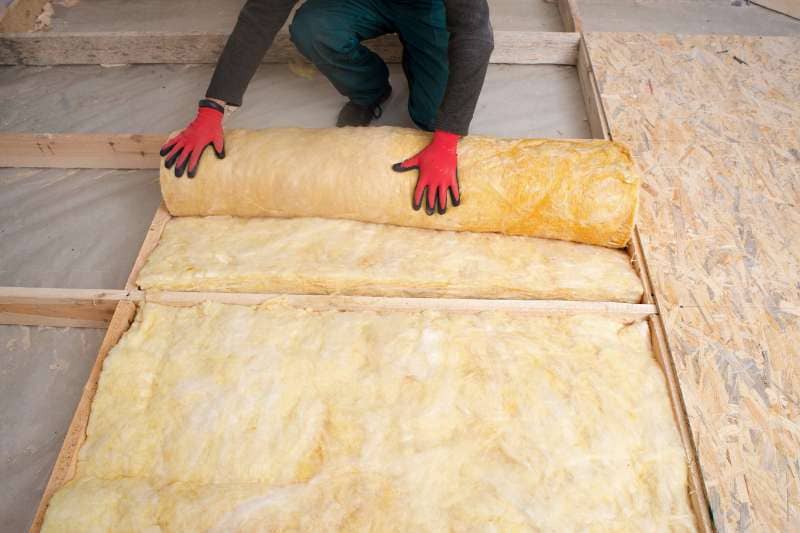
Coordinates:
73 228
42 373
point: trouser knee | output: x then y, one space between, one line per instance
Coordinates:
301 33
317 39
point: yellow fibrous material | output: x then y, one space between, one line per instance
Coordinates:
576 190
232 418
324 256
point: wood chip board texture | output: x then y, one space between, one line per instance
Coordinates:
232 417
714 122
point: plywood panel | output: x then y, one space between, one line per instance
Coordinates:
713 122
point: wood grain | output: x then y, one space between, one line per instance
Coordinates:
92 48
67 459
570 17
84 308
714 122
160 220
80 150
360 303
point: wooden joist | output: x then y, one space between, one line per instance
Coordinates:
93 308
361 303
77 308
80 150
568 9
93 48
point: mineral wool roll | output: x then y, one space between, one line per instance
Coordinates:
576 190
325 256
273 418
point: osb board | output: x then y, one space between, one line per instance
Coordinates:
714 122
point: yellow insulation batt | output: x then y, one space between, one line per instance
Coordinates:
233 418
584 191
325 256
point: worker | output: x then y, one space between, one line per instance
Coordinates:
446 48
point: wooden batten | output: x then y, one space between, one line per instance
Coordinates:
570 18
80 150
67 460
381 303
94 48
76 308
598 125
697 490
160 220
599 128
20 15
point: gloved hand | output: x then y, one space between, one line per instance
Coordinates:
188 145
438 173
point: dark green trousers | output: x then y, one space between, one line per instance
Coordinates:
329 33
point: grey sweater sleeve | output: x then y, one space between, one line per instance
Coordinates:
259 21
471 44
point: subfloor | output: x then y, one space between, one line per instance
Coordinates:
83 228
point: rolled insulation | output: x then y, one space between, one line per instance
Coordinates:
576 190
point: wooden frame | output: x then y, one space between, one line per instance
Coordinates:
80 150
76 308
108 48
568 10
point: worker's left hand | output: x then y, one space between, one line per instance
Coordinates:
438 173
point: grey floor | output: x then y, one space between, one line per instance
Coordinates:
83 228
546 100
42 373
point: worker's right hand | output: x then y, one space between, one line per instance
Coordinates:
187 146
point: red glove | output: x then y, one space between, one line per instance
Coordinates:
438 173
188 145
